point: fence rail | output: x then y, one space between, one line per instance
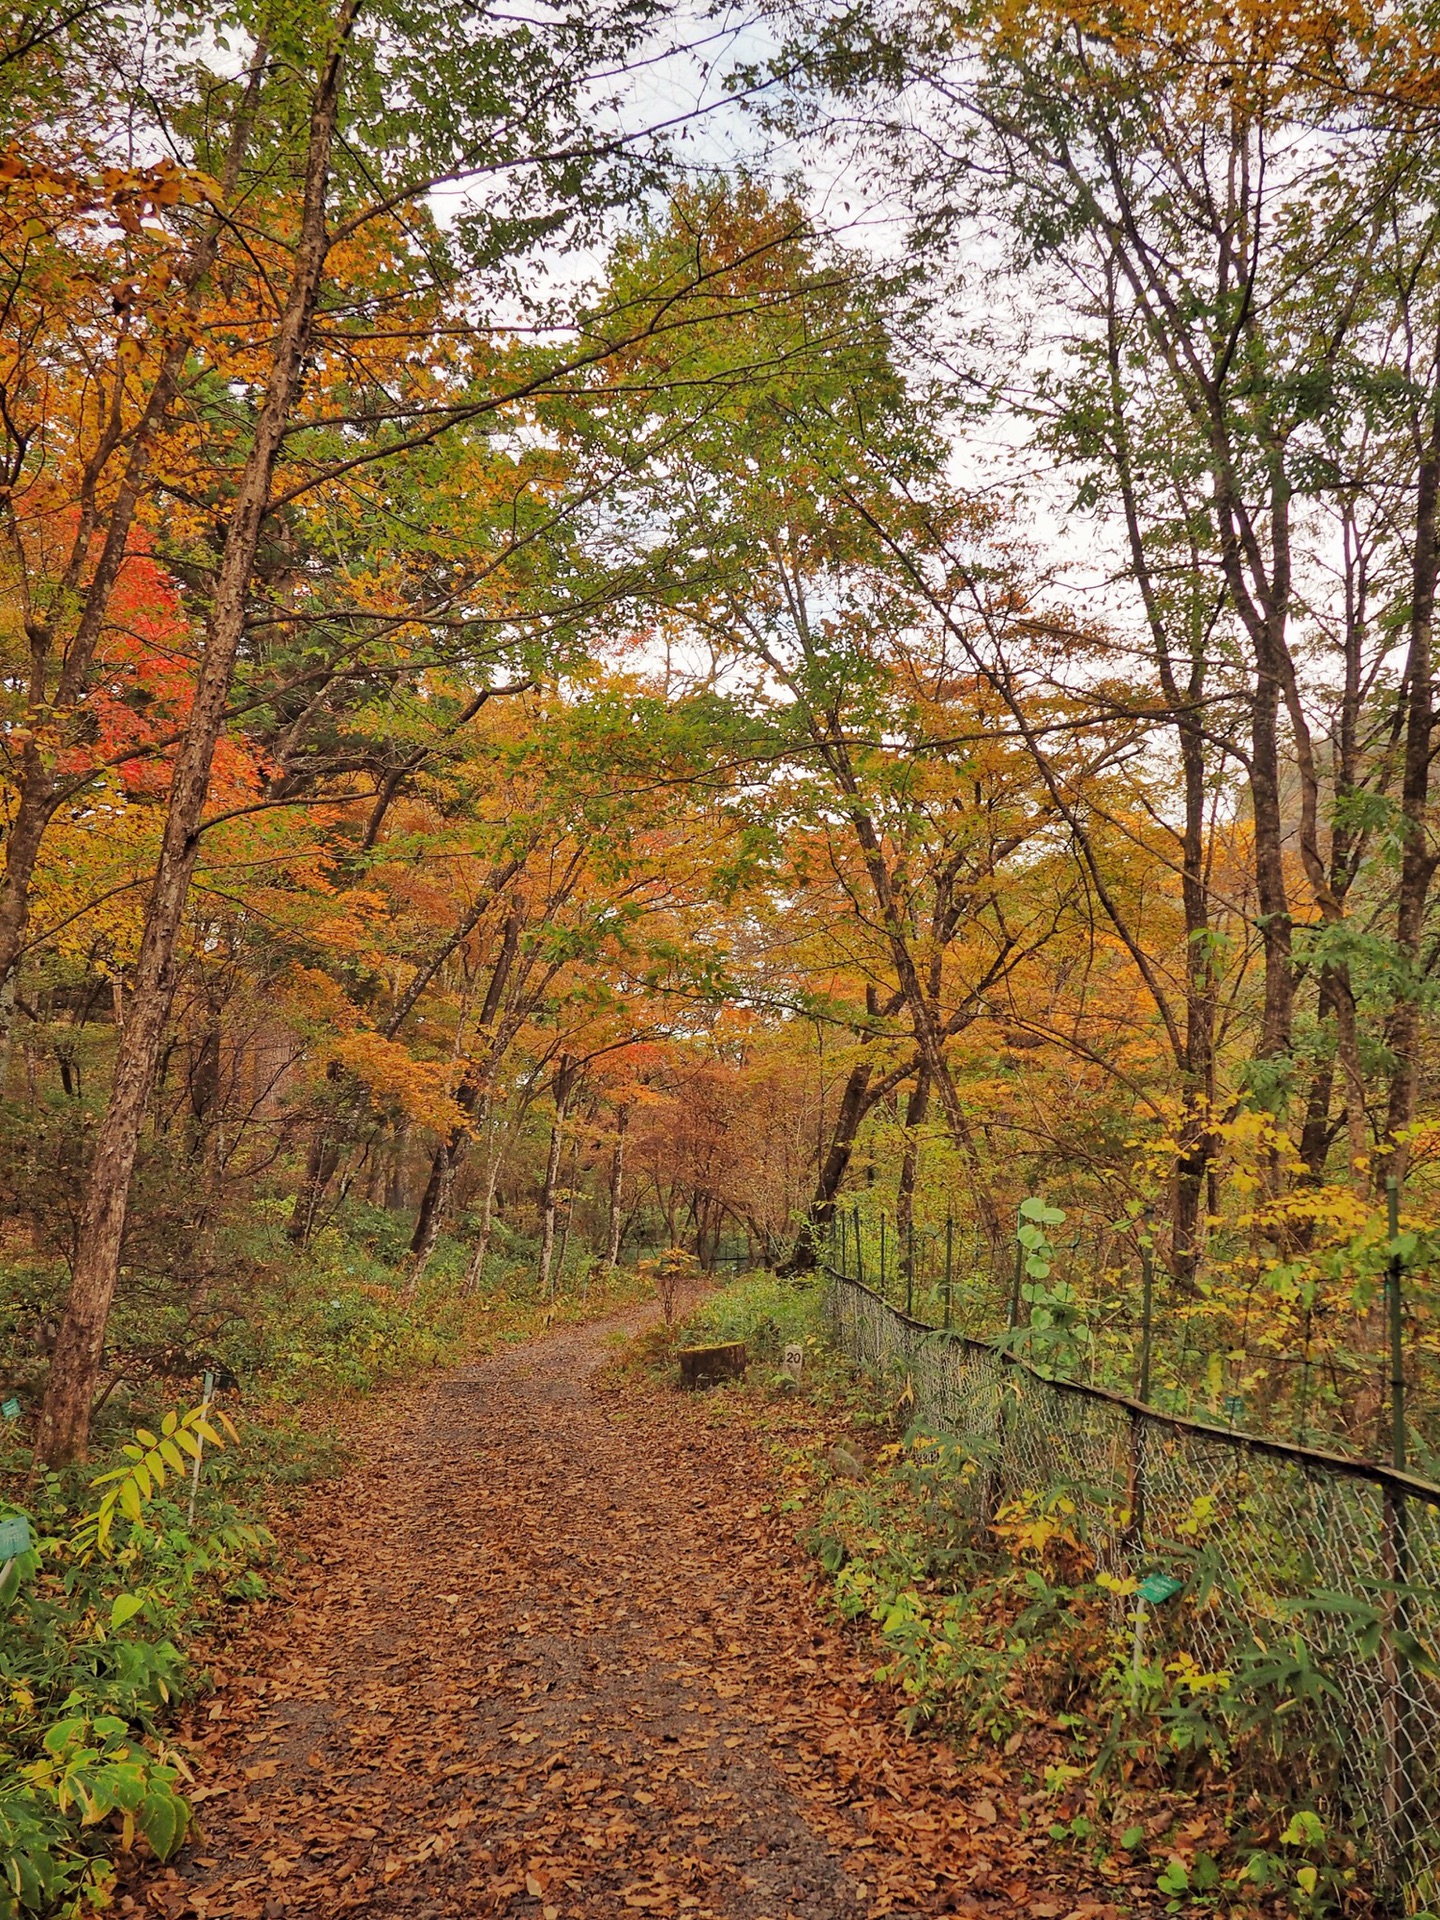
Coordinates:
1302 1572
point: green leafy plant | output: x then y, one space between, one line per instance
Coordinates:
89 1663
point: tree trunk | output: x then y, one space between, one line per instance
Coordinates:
915 1111
75 1366
565 1078
617 1186
320 1165
475 1272
1417 862
859 1097
446 1161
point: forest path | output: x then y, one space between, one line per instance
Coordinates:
549 1657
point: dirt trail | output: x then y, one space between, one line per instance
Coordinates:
550 1658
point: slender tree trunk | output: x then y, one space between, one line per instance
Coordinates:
320 1165
397 1185
547 1200
569 1216
1196 1134
75 1365
1417 861
433 1204
617 1188
915 1110
1273 1054
564 1085
495 1153
448 1156
860 1095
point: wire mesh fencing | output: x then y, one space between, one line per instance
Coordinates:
1311 1582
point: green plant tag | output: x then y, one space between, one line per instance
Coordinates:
14 1537
10 1408
1159 1587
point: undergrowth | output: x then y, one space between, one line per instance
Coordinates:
100 1624
1008 1638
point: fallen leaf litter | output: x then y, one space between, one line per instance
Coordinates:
545 1653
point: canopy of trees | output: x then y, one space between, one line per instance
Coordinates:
529 779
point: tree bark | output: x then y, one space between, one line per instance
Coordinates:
916 1108
320 1165
475 1272
1417 862
565 1078
860 1095
75 1366
617 1185
473 1093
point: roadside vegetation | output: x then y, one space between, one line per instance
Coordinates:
127 1583
1009 1642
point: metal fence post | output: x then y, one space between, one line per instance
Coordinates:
910 1271
859 1247
1019 1271
1147 1299
949 1262
1394 1273
882 1257
1399 1789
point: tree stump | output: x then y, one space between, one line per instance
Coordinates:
704 1366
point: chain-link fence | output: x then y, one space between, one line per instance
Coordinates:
1310 1580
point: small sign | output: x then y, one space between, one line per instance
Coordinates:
1159 1587
10 1408
1234 1407
14 1538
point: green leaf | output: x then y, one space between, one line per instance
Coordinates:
1304 1830
1131 1838
125 1607
163 1817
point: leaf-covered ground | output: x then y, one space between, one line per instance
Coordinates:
549 1655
